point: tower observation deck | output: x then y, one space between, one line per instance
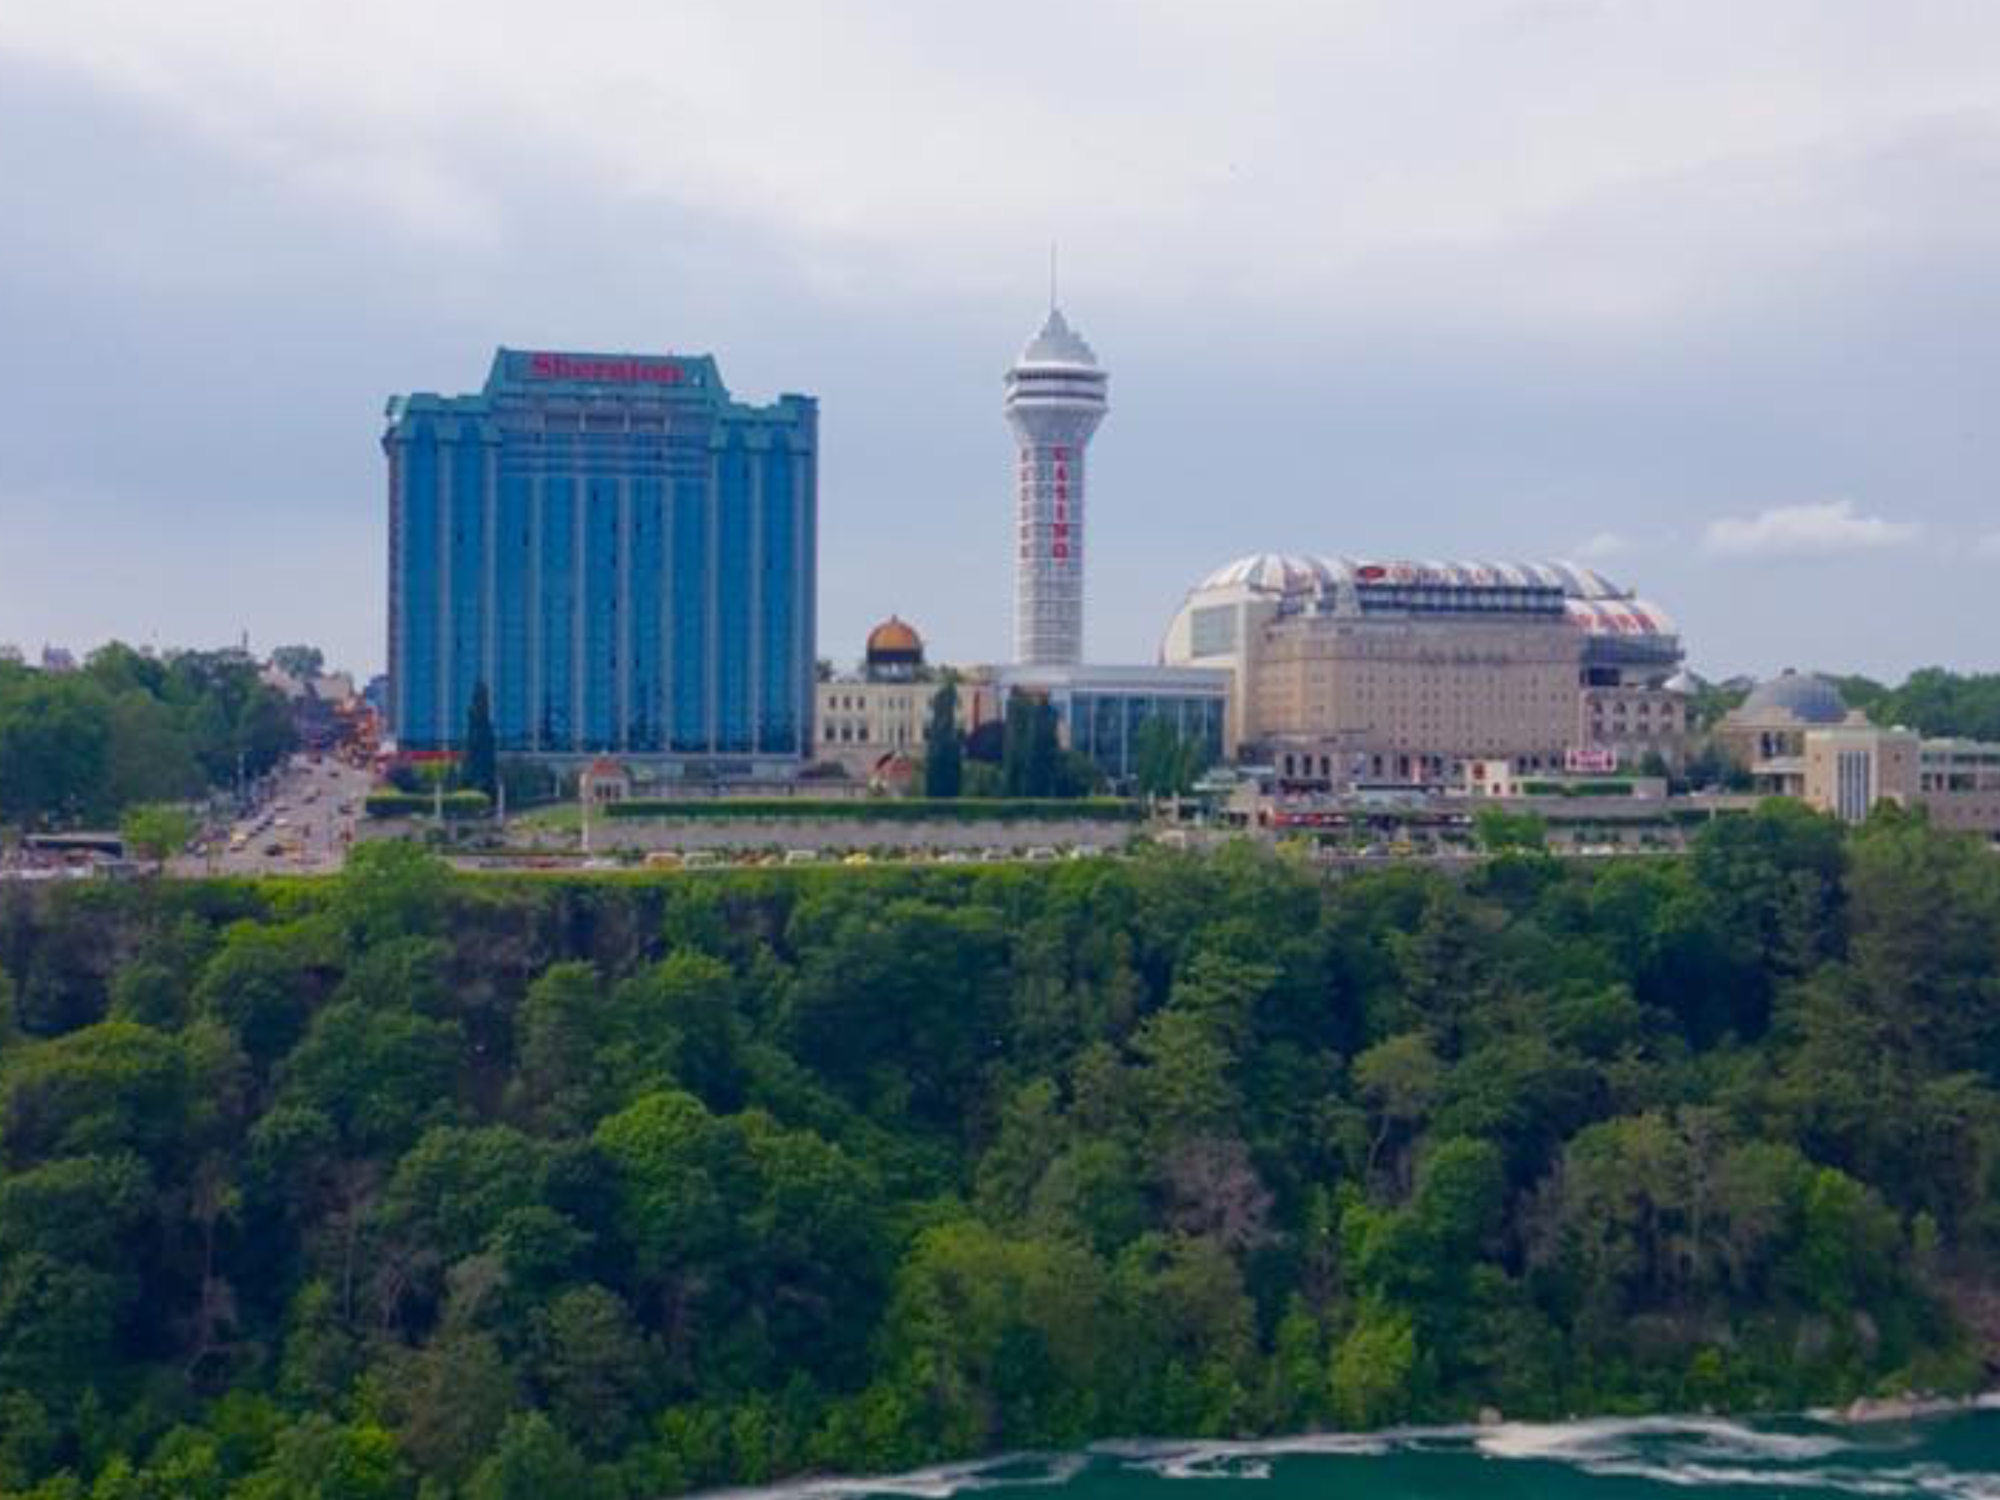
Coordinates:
1055 397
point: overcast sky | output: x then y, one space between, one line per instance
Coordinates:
1704 293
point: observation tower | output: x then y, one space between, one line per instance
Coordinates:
1055 399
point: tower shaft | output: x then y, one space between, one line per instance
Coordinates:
1055 397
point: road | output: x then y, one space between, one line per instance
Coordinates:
304 827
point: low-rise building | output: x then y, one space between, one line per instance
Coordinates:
1766 733
1848 769
604 780
867 721
1346 670
1502 779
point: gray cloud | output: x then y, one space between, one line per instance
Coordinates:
1524 274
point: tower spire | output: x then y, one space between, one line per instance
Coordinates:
1052 275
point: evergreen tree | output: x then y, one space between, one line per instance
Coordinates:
482 758
1045 757
944 760
1031 760
1014 747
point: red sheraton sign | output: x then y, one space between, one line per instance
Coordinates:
611 371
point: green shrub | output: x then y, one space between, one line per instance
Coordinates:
417 805
883 809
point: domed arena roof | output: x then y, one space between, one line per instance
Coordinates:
1618 617
893 639
1798 695
1290 573
1269 573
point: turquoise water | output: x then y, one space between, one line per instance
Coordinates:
1949 1457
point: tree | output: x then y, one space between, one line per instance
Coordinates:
560 1073
1938 702
996 1331
1077 775
1031 755
481 770
158 830
1500 831
81 746
389 889
532 1461
301 662
69 1282
592 1365
1014 773
987 744
1044 762
1372 1369
147 757
380 1077
1400 1079
54 741
102 1089
320 1459
1167 763
944 752
453 1396
1774 880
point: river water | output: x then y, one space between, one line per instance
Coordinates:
1955 1456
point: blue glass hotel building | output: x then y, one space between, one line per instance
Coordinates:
622 553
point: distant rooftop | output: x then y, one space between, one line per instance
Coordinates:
1802 696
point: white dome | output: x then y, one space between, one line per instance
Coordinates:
1268 573
1292 573
1803 697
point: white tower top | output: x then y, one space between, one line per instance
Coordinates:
1056 396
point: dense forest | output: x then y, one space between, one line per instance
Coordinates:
406 1184
127 728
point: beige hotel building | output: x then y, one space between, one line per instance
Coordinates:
1346 671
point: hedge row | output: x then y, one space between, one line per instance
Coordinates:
421 804
1576 788
886 809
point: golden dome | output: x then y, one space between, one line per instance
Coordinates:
892 638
